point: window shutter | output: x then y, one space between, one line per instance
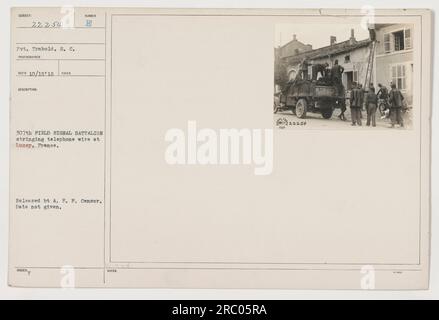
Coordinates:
407 39
394 68
403 77
387 42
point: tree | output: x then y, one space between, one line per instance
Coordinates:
280 72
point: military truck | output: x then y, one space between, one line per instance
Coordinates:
318 96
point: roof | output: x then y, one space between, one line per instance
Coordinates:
295 41
337 48
379 26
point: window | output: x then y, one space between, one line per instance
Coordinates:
398 76
355 76
347 59
399 40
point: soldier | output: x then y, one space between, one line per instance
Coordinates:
304 69
361 91
395 99
323 69
383 95
342 104
382 92
327 72
343 110
355 104
336 73
371 106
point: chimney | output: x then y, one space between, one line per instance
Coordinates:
352 39
294 37
332 40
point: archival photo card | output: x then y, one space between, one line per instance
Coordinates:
345 75
264 148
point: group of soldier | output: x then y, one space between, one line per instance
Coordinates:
333 74
360 98
393 102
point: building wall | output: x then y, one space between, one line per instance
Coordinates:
357 63
386 62
389 30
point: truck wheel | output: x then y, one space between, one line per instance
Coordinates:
327 113
301 107
293 110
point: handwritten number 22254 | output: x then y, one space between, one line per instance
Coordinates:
40 24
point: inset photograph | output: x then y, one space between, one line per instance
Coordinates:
343 76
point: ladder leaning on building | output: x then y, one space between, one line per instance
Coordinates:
370 62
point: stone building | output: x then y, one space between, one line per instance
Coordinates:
293 47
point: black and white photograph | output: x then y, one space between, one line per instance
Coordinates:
343 75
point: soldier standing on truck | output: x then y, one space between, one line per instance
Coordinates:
336 72
336 75
355 100
323 69
304 69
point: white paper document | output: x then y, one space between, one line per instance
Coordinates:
220 148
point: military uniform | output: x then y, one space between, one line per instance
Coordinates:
336 73
371 107
320 68
304 70
355 100
361 90
383 93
